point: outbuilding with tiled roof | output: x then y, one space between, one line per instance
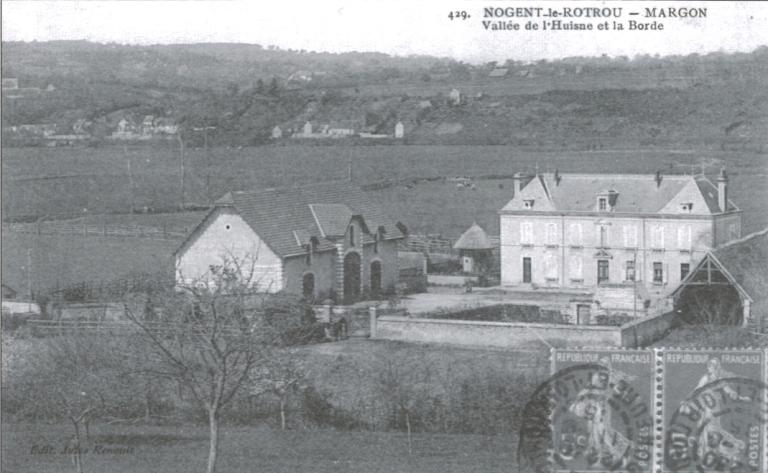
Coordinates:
729 285
318 240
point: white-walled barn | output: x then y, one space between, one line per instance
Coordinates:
316 240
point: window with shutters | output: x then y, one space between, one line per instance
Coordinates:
526 233
630 236
684 237
574 234
551 234
576 268
550 267
657 237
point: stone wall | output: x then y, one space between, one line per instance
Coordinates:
493 334
514 334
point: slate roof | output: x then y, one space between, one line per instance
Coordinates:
474 238
637 193
746 260
285 216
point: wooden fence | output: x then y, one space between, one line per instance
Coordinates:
435 244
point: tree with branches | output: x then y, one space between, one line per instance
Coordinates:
211 334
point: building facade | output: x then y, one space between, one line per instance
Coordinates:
591 230
317 241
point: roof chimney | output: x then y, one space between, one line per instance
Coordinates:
658 178
722 190
557 177
517 179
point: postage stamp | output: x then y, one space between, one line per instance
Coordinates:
599 412
714 411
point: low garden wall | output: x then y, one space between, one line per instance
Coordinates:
513 334
643 332
493 334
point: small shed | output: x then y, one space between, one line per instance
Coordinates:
475 250
277 133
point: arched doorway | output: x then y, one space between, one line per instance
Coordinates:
376 279
308 286
351 277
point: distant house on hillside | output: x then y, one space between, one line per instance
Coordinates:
455 97
277 133
313 240
498 72
735 274
10 84
399 130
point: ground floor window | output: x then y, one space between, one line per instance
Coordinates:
630 270
685 268
658 272
602 271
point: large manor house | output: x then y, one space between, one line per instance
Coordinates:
589 230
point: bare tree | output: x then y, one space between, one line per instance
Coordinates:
280 376
82 377
210 334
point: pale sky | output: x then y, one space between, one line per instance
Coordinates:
393 26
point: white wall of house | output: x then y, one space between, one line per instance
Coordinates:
224 234
565 250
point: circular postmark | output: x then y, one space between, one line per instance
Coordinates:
587 418
720 427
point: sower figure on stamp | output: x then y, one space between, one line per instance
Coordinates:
713 435
591 404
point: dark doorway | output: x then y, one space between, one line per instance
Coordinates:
351 277
583 314
308 286
376 279
526 269
602 271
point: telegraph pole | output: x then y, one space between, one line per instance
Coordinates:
181 170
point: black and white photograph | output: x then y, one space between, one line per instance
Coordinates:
384 236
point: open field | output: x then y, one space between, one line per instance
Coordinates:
81 181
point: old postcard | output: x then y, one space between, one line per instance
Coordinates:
337 236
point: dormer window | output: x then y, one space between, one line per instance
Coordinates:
528 203
686 207
606 201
